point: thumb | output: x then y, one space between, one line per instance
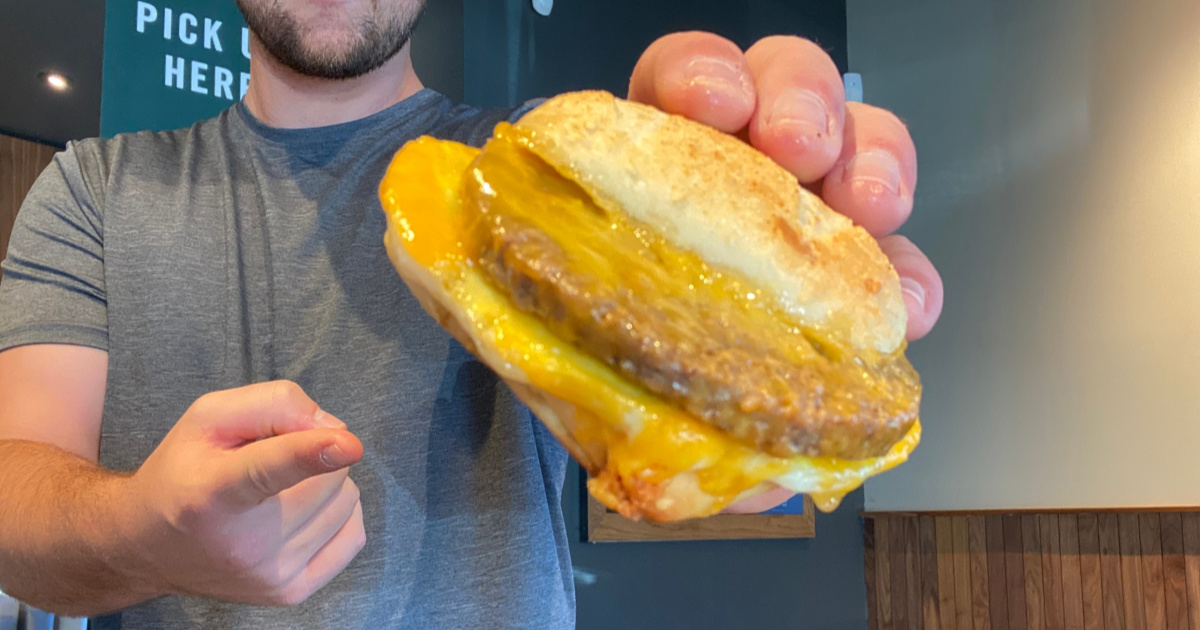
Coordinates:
263 469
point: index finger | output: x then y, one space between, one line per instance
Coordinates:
236 416
698 75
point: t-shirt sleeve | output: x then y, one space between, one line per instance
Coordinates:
53 285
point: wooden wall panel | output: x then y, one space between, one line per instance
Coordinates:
977 547
869 572
930 605
911 575
1072 576
1052 581
1174 573
962 574
1090 572
883 573
945 564
1191 550
1035 609
20 164
1152 571
898 529
997 579
1014 573
1105 571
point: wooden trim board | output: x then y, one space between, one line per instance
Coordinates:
604 525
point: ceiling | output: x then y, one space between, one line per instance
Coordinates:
65 36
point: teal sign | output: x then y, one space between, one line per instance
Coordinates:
169 63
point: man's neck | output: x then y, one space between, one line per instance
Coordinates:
280 97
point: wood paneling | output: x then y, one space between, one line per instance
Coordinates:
1108 571
883 562
1090 573
20 164
899 572
1035 609
977 547
997 579
962 574
1052 580
869 573
1152 571
1014 572
1072 576
1191 550
930 606
945 564
1132 591
1174 572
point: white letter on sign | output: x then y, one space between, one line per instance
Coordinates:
146 14
199 76
187 22
174 71
222 82
212 28
245 42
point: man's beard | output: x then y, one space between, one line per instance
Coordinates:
379 38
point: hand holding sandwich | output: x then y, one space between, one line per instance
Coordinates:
786 97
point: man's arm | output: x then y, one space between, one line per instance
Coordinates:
60 547
247 499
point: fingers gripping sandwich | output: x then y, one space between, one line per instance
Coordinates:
687 320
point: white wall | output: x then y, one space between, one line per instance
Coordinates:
1059 195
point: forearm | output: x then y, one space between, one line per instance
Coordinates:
62 542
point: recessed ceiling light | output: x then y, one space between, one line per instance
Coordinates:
57 81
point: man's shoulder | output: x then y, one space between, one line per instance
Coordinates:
143 148
108 165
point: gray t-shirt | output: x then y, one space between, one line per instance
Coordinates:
231 253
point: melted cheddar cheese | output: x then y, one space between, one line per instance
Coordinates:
647 440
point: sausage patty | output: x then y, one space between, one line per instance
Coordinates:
829 403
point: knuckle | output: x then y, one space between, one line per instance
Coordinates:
283 392
288 396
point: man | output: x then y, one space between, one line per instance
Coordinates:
213 309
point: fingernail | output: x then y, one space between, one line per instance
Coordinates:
914 292
322 419
875 168
334 457
803 111
720 78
